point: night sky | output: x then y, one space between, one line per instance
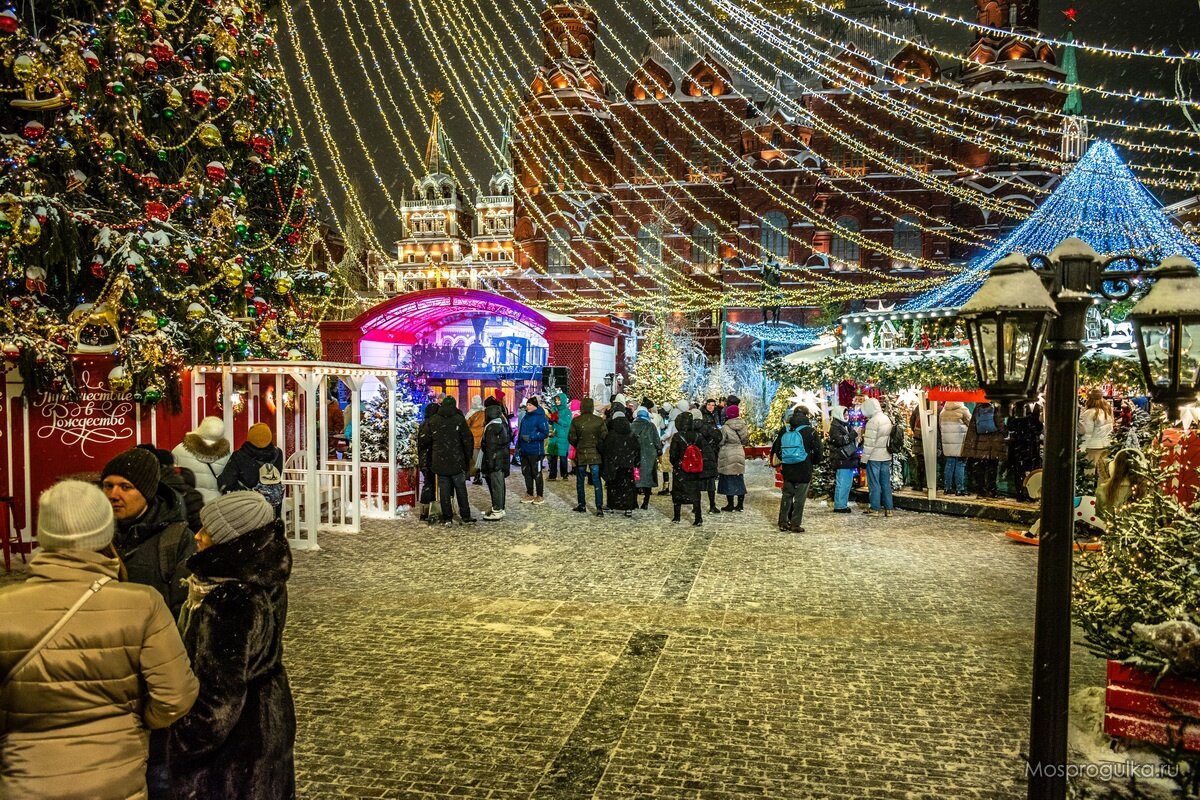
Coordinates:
1173 24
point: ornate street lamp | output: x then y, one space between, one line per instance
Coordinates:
1167 325
1007 320
1020 311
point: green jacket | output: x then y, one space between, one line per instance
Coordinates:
557 444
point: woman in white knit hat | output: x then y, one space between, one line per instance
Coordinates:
88 665
237 740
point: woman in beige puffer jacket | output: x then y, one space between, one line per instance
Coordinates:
75 720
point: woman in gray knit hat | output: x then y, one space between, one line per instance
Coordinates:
88 664
237 740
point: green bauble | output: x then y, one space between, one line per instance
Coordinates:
119 157
220 346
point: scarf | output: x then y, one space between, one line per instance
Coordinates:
198 589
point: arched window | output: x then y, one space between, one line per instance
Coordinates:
649 247
704 245
906 237
558 258
842 249
773 239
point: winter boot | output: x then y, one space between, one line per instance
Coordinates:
728 503
741 502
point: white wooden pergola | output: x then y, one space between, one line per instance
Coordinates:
320 493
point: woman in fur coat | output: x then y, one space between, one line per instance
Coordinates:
621 453
731 459
651 446
237 739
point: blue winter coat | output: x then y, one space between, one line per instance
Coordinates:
532 433
557 444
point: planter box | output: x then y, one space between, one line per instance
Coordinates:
1165 713
375 488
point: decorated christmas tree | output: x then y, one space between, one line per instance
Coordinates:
658 371
1138 600
374 429
152 200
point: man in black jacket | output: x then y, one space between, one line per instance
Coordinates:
152 536
451 446
797 475
495 459
705 424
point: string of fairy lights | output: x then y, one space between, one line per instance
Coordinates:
766 23
492 37
470 39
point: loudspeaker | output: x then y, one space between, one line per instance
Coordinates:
560 376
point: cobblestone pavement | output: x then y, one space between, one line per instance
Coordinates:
554 655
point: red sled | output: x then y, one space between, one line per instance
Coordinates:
1025 537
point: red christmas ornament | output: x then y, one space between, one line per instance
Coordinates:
201 96
261 143
56 384
98 270
183 266
222 103
293 237
33 130
249 292
162 50
91 60
1071 14
251 100
150 65
11 351
215 171
157 210
9 22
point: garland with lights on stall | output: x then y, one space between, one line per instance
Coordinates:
152 202
893 377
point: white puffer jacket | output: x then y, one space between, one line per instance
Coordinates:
952 424
879 428
205 451
1095 428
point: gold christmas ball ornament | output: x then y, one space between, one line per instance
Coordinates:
209 136
174 98
242 131
196 312
231 274
147 322
119 381
148 5
107 141
31 231
25 68
283 283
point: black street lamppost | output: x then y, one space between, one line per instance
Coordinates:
1020 311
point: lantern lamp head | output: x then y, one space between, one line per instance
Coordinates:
1007 320
1167 327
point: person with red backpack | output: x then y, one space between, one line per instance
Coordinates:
797 449
687 467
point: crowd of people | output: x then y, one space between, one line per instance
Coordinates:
144 655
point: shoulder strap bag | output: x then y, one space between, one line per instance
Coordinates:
58 626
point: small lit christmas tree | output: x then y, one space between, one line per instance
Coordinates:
1138 600
153 202
658 371
374 429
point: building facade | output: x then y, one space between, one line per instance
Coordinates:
694 173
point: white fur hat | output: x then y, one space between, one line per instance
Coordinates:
211 429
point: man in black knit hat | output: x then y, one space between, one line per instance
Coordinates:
152 536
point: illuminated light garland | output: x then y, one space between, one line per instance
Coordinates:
754 298
955 110
848 20
477 123
323 126
1105 50
343 96
733 160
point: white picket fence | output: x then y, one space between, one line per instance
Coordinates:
335 506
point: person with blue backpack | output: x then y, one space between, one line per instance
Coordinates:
797 449
984 448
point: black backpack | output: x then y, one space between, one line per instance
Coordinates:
895 443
